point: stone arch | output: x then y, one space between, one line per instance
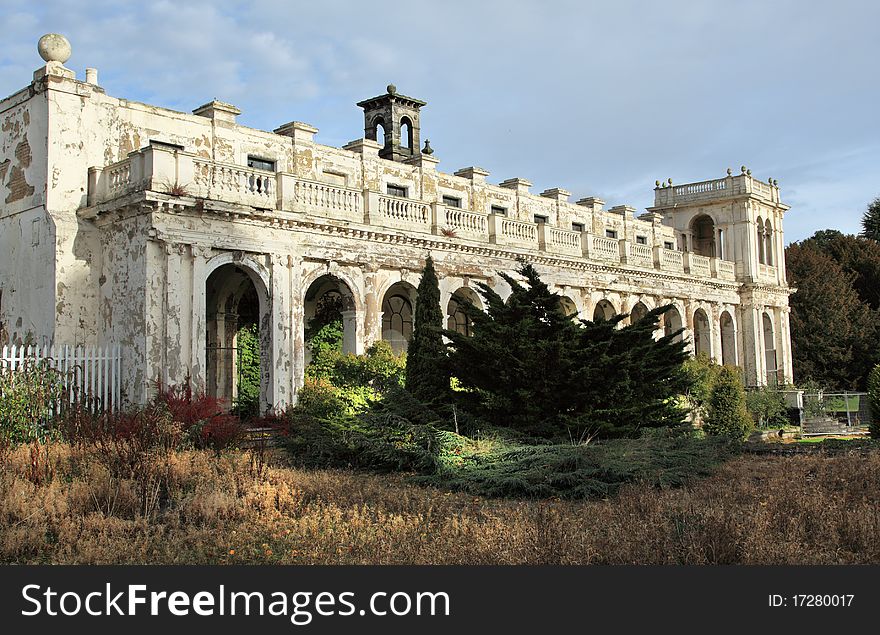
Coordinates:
703 235
672 322
702 333
769 348
568 306
728 339
237 297
639 311
604 310
406 133
328 298
378 131
456 319
398 315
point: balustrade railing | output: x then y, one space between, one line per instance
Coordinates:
671 260
698 265
464 222
641 254
330 200
166 169
404 213
604 248
565 241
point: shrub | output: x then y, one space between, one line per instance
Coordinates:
701 372
874 401
201 417
766 405
727 415
529 365
28 396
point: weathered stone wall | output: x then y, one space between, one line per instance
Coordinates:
27 232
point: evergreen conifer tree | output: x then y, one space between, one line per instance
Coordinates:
427 374
871 221
534 368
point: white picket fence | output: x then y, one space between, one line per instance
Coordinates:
90 375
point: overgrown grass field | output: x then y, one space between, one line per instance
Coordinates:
61 504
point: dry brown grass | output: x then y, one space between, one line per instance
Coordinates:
756 510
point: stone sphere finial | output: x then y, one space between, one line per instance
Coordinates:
742 169
669 181
729 171
54 48
392 89
775 182
656 183
749 172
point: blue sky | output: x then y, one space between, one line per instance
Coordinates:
599 98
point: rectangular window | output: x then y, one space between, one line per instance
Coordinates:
577 227
668 244
451 201
261 164
610 233
641 240
499 211
396 190
540 220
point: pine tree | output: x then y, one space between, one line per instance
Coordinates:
534 368
871 221
427 374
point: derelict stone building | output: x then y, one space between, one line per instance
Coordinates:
163 232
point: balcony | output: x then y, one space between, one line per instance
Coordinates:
703 191
166 169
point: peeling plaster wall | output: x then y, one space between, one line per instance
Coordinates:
27 272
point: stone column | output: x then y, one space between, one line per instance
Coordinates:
198 341
372 313
281 388
714 316
349 333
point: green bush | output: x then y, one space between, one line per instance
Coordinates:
767 407
28 397
498 467
701 373
247 403
874 401
726 414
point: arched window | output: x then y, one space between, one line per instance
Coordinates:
397 316
760 229
770 349
702 333
671 323
456 318
638 312
768 242
703 230
604 311
378 131
406 133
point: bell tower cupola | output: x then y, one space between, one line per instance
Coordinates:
392 120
